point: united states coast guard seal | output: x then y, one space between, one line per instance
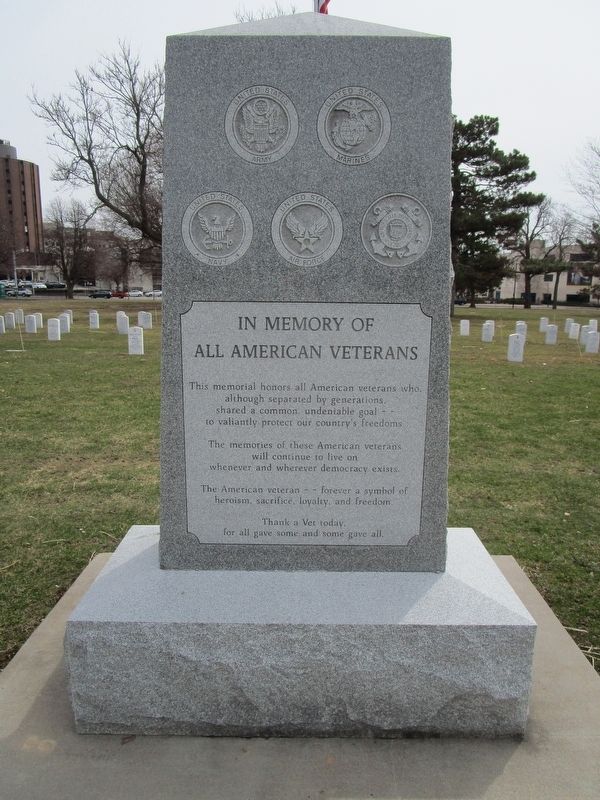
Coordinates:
396 230
217 228
354 125
306 229
261 124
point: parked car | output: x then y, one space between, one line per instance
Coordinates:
135 293
30 285
103 293
154 293
55 285
118 293
18 292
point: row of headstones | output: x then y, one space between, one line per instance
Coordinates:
62 324
144 321
588 335
11 319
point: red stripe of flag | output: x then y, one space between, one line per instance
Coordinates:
323 7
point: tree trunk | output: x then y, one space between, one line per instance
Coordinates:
527 298
472 298
555 292
69 289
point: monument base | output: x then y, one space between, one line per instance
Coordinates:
229 653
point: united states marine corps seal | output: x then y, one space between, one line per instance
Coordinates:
396 230
354 125
217 229
261 124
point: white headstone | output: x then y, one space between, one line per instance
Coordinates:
19 316
145 320
487 332
9 320
551 334
593 342
516 347
122 322
492 325
2 327
69 311
465 327
136 341
39 320
583 334
94 320
574 330
593 323
521 329
53 330
65 322
568 322
30 323
543 324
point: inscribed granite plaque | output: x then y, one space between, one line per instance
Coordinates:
304 422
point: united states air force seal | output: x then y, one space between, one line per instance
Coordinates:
354 125
396 230
306 229
261 124
217 229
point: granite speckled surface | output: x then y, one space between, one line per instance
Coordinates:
308 57
357 653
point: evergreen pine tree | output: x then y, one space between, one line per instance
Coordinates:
489 204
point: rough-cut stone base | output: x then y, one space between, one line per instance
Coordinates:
221 653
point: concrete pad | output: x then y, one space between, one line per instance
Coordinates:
42 758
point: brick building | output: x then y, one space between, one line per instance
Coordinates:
21 226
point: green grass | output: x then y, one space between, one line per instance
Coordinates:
80 456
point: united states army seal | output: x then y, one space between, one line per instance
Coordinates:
306 229
396 230
261 124
217 228
354 125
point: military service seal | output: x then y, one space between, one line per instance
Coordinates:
354 125
396 230
261 124
217 228
306 229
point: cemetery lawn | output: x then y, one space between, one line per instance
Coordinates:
80 456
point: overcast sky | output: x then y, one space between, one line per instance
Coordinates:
532 63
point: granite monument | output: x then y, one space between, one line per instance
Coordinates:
308 585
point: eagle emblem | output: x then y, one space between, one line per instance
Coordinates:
307 234
359 119
216 231
262 126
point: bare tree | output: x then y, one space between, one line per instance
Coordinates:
67 241
585 178
242 14
107 131
113 257
535 225
562 232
